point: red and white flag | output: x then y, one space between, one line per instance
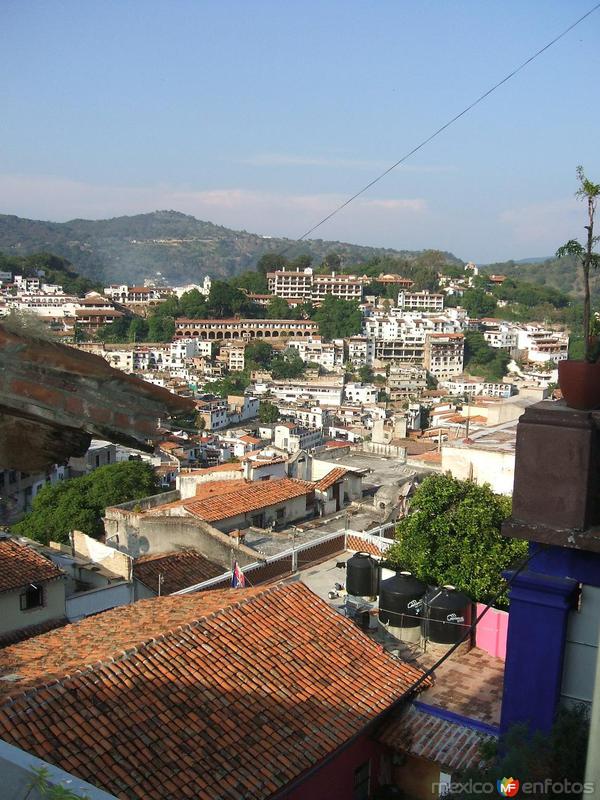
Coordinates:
238 581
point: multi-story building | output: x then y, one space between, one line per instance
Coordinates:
443 354
344 287
236 360
327 354
499 334
290 284
361 350
539 344
361 393
420 301
406 380
292 437
471 387
90 320
223 329
327 391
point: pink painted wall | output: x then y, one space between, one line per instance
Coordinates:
490 634
336 778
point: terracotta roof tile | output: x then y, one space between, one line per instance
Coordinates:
453 746
179 570
220 695
21 565
333 476
250 497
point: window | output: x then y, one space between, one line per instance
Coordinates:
32 597
362 780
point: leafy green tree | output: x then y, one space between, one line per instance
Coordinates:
224 300
588 192
251 281
365 374
287 365
270 262
301 262
258 354
193 305
338 318
277 308
332 261
117 331
138 330
230 384
79 503
268 412
478 303
452 536
161 328
483 360
558 756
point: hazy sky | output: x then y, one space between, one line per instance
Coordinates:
264 115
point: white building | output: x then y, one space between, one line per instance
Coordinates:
292 437
361 393
328 355
420 301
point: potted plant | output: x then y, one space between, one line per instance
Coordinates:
579 380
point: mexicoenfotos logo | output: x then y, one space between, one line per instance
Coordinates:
507 787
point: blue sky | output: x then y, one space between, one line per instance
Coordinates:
265 115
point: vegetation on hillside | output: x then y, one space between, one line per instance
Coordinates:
483 361
178 246
79 503
54 268
452 536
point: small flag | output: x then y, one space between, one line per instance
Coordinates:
238 581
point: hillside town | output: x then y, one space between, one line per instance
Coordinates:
299 401
284 460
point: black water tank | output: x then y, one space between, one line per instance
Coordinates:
362 573
401 600
447 615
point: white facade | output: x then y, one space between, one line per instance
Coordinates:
361 393
420 301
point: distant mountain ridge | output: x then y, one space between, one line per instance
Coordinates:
180 247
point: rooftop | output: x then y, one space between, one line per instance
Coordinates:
227 693
246 498
175 571
21 566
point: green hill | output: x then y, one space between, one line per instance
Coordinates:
561 273
178 246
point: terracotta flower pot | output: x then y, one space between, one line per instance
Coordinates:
579 383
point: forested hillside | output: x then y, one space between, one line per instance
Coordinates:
179 247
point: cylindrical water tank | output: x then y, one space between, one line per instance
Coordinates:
447 616
362 574
401 605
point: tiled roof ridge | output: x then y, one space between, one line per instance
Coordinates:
119 656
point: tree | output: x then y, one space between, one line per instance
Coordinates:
193 305
277 308
78 504
483 360
365 373
557 756
301 262
478 303
268 412
251 281
258 354
332 261
224 300
287 365
338 318
270 262
585 255
160 328
452 536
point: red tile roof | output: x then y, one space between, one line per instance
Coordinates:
250 497
228 694
179 570
451 745
21 565
335 475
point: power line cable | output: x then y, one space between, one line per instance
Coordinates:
445 125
